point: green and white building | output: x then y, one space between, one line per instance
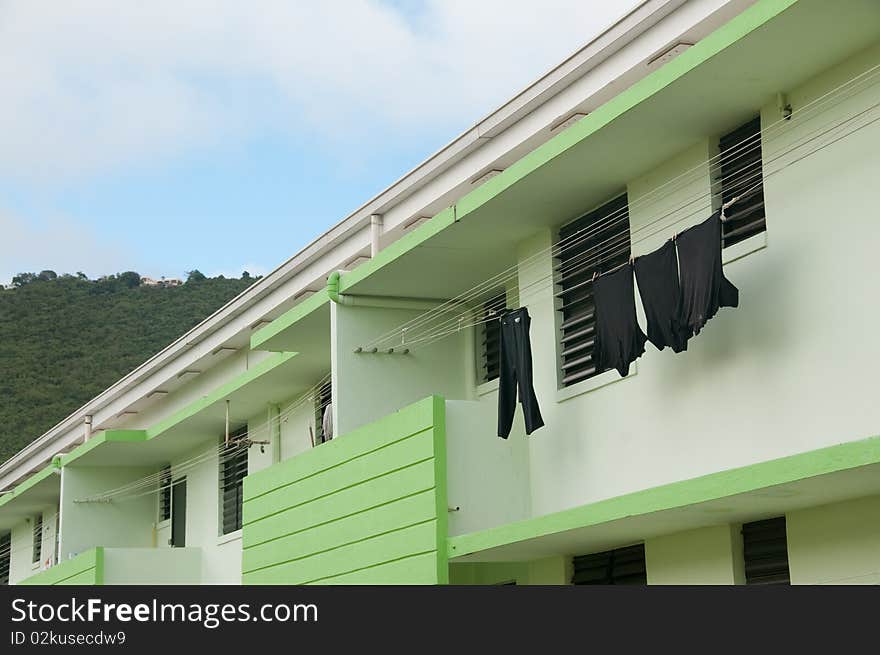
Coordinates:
752 457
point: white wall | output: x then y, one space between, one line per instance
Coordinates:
122 522
367 387
152 566
706 556
835 544
487 477
796 355
221 555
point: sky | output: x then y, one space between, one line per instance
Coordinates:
224 136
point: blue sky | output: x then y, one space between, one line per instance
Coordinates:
167 136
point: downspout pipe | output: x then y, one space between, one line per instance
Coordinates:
376 224
386 302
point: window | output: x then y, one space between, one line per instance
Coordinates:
5 557
323 397
619 566
740 173
489 335
165 493
765 551
38 539
595 242
233 469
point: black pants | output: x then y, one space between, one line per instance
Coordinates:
516 373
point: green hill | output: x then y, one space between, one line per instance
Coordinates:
64 340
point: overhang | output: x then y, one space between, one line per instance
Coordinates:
720 82
763 490
41 490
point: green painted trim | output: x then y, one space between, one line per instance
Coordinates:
85 568
220 393
27 484
400 247
440 489
288 318
726 35
677 494
99 438
99 565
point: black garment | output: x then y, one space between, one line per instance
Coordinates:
657 275
704 289
619 339
516 373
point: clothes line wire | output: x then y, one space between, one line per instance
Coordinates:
836 95
418 344
802 141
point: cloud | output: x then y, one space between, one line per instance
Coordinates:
96 86
59 244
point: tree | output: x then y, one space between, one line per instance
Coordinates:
46 276
22 279
195 275
129 279
245 275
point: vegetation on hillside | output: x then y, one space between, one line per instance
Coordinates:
66 338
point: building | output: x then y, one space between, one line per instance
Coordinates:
752 457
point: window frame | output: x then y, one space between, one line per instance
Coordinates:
581 250
37 535
232 470
488 335
762 538
740 167
619 565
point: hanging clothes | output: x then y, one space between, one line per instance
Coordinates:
327 422
619 340
704 288
660 291
515 373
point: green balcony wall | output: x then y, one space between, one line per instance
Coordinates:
368 507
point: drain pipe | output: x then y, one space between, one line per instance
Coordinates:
87 432
386 302
376 224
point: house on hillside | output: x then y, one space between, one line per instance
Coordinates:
338 421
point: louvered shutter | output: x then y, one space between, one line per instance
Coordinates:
323 397
233 469
622 566
490 338
740 171
165 494
5 558
596 242
765 550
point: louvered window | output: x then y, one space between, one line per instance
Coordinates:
740 173
621 566
38 538
233 469
165 493
5 558
765 550
596 242
323 398
489 336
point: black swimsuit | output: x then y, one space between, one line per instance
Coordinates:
704 288
619 339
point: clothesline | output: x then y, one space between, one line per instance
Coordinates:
155 483
540 284
837 95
